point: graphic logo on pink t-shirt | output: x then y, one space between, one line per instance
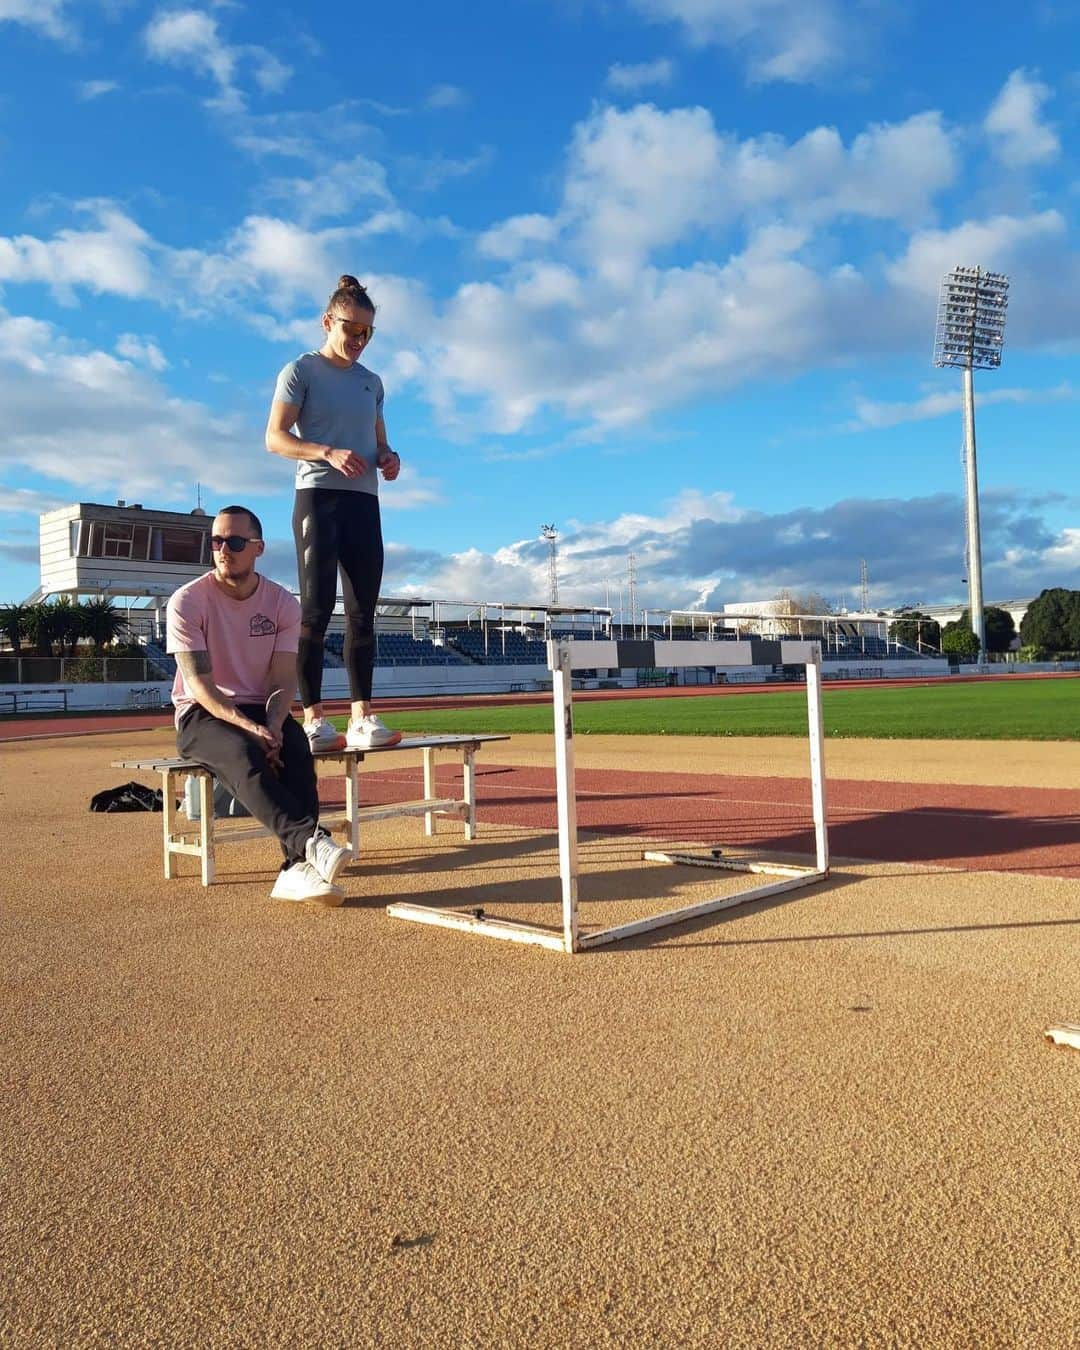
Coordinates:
261 626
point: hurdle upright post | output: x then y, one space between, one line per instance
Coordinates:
816 728
562 687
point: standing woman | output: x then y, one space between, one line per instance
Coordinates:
335 404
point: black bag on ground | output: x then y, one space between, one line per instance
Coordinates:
127 797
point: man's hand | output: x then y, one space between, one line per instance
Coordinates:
389 463
277 709
270 740
352 466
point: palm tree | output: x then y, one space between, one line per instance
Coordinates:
68 623
13 625
102 621
40 627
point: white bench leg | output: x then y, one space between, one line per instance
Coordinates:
429 788
352 802
468 774
206 827
168 818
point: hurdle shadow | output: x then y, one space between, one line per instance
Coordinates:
916 835
634 884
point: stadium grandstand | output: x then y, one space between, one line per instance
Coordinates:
137 557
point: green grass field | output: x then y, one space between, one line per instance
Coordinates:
1028 710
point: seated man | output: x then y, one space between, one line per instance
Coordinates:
234 635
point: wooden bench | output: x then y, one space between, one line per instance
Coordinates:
213 833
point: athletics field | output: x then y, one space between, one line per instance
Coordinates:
824 1119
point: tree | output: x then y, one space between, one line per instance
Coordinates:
998 627
67 623
13 625
102 621
40 627
914 629
957 639
1046 623
787 604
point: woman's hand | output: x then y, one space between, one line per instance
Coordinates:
352 466
389 462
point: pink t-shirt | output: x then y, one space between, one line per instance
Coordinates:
240 635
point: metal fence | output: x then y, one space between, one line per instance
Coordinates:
76 670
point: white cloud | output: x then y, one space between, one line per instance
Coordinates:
334 192
191 38
91 89
788 40
445 96
409 491
1014 123
1034 250
141 351
28 502
48 17
700 551
642 178
117 428
629 79
114 258
871 415
515 236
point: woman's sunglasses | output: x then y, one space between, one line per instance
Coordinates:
363 331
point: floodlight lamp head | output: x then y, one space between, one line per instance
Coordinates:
970 330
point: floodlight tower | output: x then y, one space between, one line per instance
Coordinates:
551 534
631 585
970 334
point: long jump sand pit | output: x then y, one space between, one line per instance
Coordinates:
831 1119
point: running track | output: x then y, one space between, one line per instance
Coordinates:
971 828
1031 830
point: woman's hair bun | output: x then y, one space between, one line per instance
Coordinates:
349 283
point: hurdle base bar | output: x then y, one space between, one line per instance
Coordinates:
770 869
1064 1033
805 877
469 923
793 879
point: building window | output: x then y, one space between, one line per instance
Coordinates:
109 539
178 546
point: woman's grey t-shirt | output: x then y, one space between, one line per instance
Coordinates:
338 407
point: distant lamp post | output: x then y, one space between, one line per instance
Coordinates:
970 334
551 534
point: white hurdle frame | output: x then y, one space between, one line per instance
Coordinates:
566 656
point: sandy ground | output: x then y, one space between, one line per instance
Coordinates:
831 1119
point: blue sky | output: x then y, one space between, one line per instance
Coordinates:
662 272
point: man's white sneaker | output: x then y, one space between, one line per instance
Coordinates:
326 857
322 736
302 882
369 733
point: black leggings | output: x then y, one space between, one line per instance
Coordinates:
337 530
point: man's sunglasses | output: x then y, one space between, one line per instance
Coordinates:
235 543
363 331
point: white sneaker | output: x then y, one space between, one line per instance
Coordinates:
302 882
370 734
323 736
326 857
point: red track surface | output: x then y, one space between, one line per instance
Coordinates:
1034 830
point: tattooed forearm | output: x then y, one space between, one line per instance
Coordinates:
193 663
